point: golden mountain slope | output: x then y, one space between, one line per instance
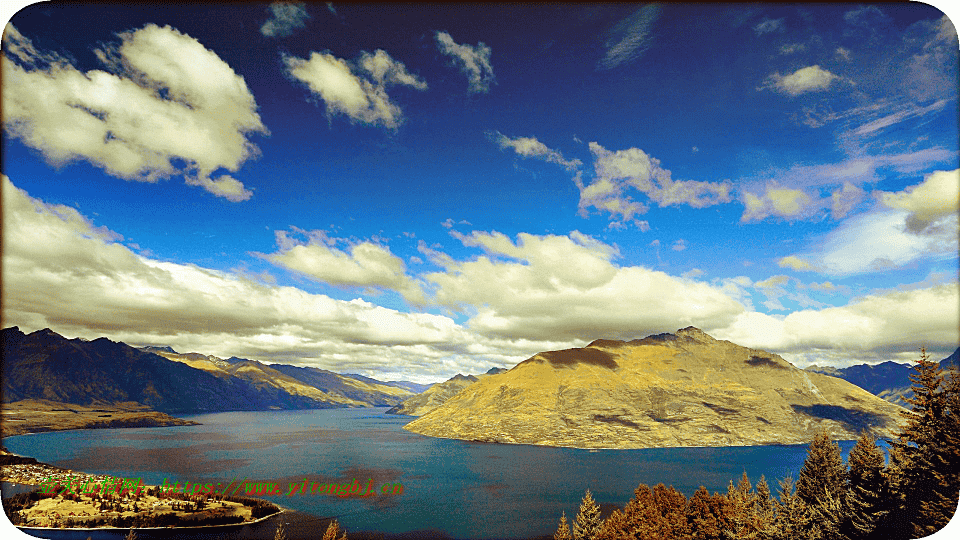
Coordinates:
687 389
439 393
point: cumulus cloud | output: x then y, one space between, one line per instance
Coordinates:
937 197
532 148
796 263
167 106
808 79
777 201
628 40
840 182
568 287
618 172
474 62
889 321
63 272
357 90
363 264
285 18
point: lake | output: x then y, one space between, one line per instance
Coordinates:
457 488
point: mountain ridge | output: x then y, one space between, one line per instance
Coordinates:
45 365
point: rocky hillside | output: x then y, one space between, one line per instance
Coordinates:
683 389
439 393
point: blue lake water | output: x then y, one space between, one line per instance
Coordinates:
461 489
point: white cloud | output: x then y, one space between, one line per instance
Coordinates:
845 199
825 286
844 54
364 264
630 37
62 272
792 48
902 113
937 197
777 201
165 99
357 90
679 245
767 26
474 62
891 321
796 263
567 287
531 147
808 79
879 240
285 18
617 172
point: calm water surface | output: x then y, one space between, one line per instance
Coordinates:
465 490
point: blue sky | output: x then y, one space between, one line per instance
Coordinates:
416 191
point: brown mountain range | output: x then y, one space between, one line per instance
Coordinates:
683 389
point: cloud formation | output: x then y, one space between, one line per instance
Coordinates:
618 172
893 321
62 272
567 287
357 90
628 40
530 147
474 61
285 18
767 26
801 81
876 241
167 106
936 198
363 264
776 201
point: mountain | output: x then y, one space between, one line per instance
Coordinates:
416 388
439 393
45 365
889 380
683 389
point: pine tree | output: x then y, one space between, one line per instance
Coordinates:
868 489
793 517
643 515
616 527
563 530
764 510
709 516
333 530
927 451
821 485
588 521
742 512
673 508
